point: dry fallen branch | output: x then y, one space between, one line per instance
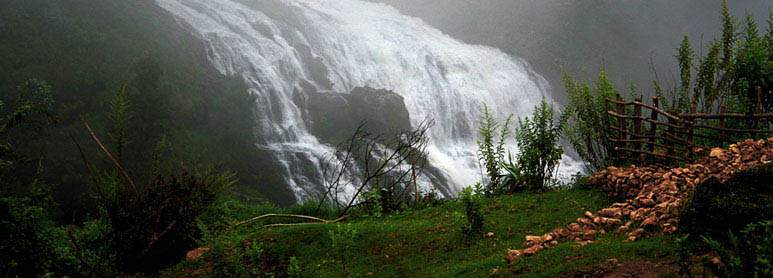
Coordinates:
296 216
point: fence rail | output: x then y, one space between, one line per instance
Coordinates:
672 135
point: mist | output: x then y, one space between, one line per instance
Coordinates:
625 38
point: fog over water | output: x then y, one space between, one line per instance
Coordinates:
581 37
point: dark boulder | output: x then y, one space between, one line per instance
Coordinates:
333 117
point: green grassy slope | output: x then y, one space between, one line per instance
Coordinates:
427 242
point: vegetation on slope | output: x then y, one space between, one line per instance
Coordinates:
424 242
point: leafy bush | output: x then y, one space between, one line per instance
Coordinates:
92 248
750 255
588 124
293 268
716 208
472 209
153 227
343 238
31 111
30 243
756 252
491 148
539 152
372 204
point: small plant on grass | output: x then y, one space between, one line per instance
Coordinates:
343 237
293 268
539 152
491 148
472 208
373 202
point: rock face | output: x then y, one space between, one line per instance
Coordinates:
655 196
333 117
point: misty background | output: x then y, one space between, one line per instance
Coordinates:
581 37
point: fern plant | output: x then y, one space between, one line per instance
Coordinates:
491 148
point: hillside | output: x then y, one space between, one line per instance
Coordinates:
428 242
182 111
425 242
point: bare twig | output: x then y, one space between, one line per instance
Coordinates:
111 157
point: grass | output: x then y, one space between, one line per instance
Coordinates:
571 257
427 242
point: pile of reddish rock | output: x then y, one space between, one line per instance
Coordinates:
654 196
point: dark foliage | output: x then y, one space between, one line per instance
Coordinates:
154 228
718 208
30 243
756 249
183 111
746 256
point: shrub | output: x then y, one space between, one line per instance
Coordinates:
716 208
372 204
491 148
343 238
472 209
30 243
293 268
588 124
152 228
539 152
756 249
750 255
92 248
31 111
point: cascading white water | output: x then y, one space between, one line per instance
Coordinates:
282 47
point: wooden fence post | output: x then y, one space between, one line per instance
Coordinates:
653 125
671 142
722 110
621 124
637 126
757 110
688 124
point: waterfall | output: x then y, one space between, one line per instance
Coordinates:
282 47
